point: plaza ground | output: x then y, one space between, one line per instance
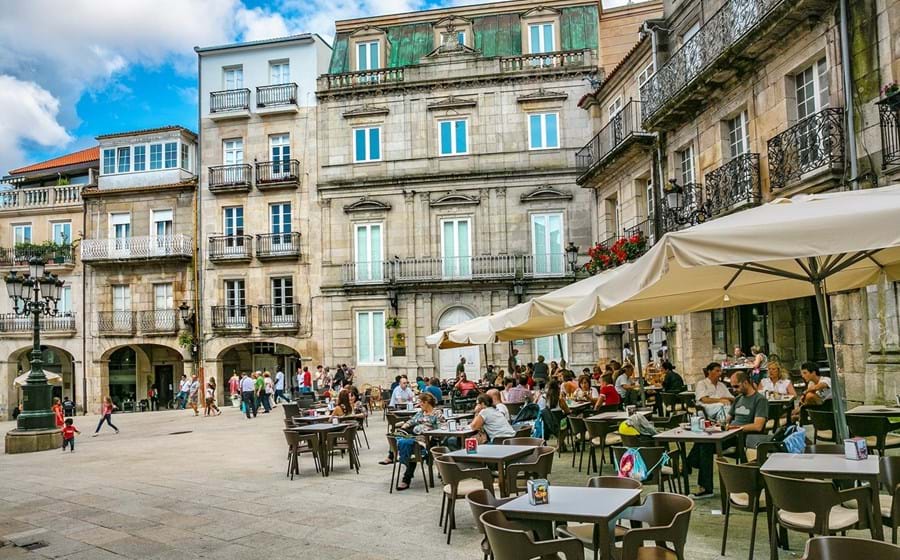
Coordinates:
175 486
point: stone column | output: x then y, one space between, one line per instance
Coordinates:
882 359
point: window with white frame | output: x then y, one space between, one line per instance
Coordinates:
737 134
685 159
645 74
282 299
543 131
369 252
456 247
120 233
236 298
613 109
121 295
453 136
109 161
171 160
368 56
162 223
540 38
280 152
233 229
140 158
233 151
64 305
233 77
279 72
367 144
547 244
552 348
156 159
811 86
21 233
61 232
123 159
370 341
185 157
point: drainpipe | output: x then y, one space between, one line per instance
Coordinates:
198 242
84 322
848 96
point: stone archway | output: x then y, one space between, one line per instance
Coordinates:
448 359
129 371
56 360
253 356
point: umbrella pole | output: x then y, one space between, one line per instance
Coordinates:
562 355
637 361
837 389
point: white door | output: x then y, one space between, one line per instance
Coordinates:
163 307
540 38
62 232
616 126
235 304
283 301
122 307
161 229
280 226
280 147
233 154
279 73
120 226
811 86
233 229
456 248
450 358
367 56
369 260
547 244
234 78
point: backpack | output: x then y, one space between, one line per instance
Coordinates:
537 430
527 413
795 442
549 422
631 465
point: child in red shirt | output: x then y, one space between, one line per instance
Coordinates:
608 394
68 433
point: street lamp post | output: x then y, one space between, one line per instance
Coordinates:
35 294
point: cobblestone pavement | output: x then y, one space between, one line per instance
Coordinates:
175 486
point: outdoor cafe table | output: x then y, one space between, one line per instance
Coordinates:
830 466
875 410
497 455
778 407
440 435
682 437
321 431
599 506
617 415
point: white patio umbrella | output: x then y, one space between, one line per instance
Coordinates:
52 378
807 245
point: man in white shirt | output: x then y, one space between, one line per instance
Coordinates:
712 394
818 387
183 388
247 395
279 386
495 396
402 394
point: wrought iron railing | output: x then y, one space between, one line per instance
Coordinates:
159 320
12 323
224 176
63 195
153 246
279 94
283 171
889 123
227 317
284 316
229 100
733 185
643 228
621 127
272 245
118 322
537 61
733 22
680 210
230 247
364 78
813 143
19 256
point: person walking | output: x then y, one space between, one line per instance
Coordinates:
339 377
106 410
234 385
269 386
211 398
194 395
68 434
153 397
260 387
183 387
279 387
247 393
68 407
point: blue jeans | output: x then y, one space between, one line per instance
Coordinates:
181 400
279 394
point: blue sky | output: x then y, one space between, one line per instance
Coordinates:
71 70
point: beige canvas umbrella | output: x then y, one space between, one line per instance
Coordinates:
788 248
52 378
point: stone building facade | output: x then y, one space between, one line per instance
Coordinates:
739 102
41 215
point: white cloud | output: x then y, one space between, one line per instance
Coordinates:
318 16
29 114
258 24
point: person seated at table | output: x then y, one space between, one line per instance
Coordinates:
760 360
355 401
818 387
712 394
672 382
518 392
434 387
584 392
776 383
747 412
551 397
569 385
429 417
420 383
498 404
344 406
464 386
626 385
608 396
402 394
490 420
597 373
396 382
739 356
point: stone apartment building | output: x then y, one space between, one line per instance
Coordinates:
446 142
41 215
258 216
138 256
731 104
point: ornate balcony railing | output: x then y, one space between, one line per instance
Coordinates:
230 177
889 123
275 95
733 185
229 100
621 129
454 268
813 143
680 210
12 323
148 247
278 245
159 321
20 256
230 247
286 316
735 21
365 78
230 317
38 197
117 322
557 59
277 172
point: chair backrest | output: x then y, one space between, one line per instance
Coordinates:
822 419
610 408
663 509
451 472
289 422
439 451
671 421
614 482
840 548
740 479
576 424
825 449
861 425
636 441
481 501
524 441
511 541
597 428
803 496
290 410
890 472
292 438
523 431
765 448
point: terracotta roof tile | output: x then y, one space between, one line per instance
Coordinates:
83 156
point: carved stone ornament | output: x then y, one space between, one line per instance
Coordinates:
545 192
452 102
366 111
542 95
366 204
454 198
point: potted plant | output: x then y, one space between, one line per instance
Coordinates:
673 192
891 94
635 245
392 323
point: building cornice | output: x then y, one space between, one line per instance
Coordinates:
452 102
541 176
366 111
96 192
543 95
366 204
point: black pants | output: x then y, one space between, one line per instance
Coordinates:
279 395
69 443
701 458
108 419
154 403
264 401
249 403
